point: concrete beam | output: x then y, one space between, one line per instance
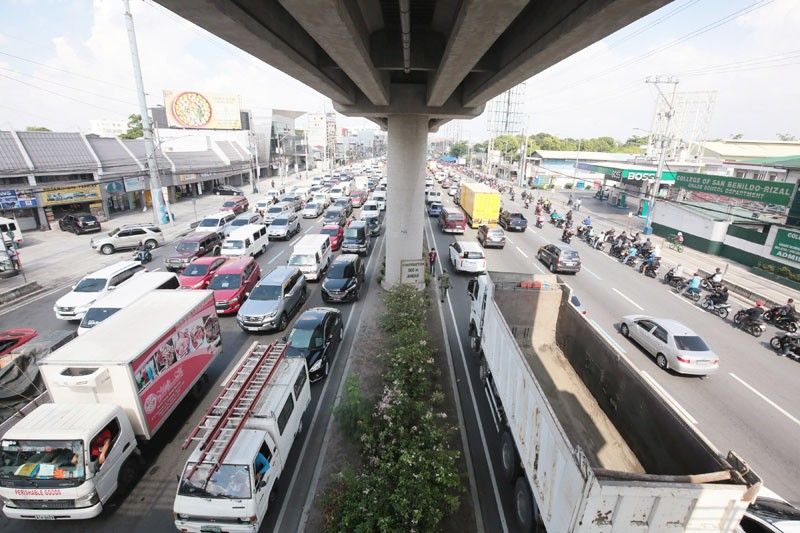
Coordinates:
425 54
266 31
340 30
547 32
409 99
477 26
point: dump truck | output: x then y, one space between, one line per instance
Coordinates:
243 442
480 202
587 443
110 391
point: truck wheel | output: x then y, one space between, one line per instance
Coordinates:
509 464
474 340
129 474
525 508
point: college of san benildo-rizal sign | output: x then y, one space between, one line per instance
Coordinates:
768 192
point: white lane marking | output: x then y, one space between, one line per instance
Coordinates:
520 251
509 240
326 438
780 409
584 267
294 241
155 269
684 300
639 307
276 256
498 503
607 336
670 400
540 269
610 258
309 229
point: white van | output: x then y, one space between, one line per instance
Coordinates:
218 222
322 198
340 190
312 255
433 196
74 304
10 225
246 240
380 197
279 209
124 296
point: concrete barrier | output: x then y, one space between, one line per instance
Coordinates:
18 292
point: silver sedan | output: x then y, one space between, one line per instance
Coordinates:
675 346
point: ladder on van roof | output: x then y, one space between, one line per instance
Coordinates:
229 412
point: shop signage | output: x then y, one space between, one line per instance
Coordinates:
787 245
187 178
768 192
413 272
134 184
114 187
71 195
12 199
620 173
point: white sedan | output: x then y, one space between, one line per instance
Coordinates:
467 256
675 346
312 210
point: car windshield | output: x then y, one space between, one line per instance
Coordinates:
42 459
225 281
209 223
280 221
90 285
229 203
306 338
495 232
275 210
233 245
342 271
333 213
472 255
266 292
95 315
455 215
329 231
311 207
196 270
302 259
113 232
371 207
690 343
240 222
226 482
352 233
188 246
569 255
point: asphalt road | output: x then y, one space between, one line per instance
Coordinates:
749 406
149 506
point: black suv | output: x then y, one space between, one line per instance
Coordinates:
560 258
78 224
513 221
356 238
344 279
191 247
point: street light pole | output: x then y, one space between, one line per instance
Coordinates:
160 211
663 155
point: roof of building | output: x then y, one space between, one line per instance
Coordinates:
197 160
792 162
594 156
114 158
136 146
11 159
57 151
747 149
231 151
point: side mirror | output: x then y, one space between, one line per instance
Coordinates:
473 283
262 484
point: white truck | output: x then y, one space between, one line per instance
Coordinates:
243 443
108 390
587 443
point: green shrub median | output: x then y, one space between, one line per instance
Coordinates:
409 479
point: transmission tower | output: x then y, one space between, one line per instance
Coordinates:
686 128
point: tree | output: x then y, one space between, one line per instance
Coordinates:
480 148
459 149
134 127
786 137
37 128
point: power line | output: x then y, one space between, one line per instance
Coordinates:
58 94
67 86
64 70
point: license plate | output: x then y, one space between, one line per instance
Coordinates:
210 529
43 517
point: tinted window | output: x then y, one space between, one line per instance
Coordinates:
266 292
171 283
90 285
95 315
225 281
691 343
341 270
329 231
646 324
209 223
280 221
188 246
286 412
570 255
660 333
195 270
354 233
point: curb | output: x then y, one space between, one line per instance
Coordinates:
11 295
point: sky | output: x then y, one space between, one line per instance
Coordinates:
64 62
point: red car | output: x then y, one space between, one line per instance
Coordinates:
238 204
233 282
199 272
12 338
358 197
336 233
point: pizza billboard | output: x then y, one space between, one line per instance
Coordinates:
196 110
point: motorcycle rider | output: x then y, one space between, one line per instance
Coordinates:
142 252
694 284
566 235
631 255
647 247
587 221
753 314
650 262
720 296
788 310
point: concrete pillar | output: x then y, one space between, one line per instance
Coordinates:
405 192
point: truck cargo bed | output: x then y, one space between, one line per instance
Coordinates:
581 416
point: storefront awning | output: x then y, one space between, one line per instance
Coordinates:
616 172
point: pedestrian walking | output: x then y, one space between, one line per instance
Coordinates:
569 202
577 204
444 284
432 260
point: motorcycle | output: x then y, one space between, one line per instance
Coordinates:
721 310
650 269
630 260
682 289
539 223
707 284
558 222
779 342
754 327
143 256
775 317
672 279
566 237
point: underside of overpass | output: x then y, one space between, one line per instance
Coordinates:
410 65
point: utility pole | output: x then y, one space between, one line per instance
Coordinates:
160 209
523 161
657 81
